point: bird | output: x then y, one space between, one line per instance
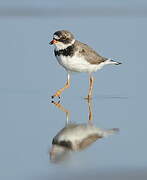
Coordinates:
75 56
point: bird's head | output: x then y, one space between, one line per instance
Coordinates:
62 39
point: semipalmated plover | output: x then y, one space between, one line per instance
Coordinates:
76 56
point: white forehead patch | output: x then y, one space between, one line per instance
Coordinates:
56 37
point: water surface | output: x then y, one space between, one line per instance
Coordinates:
29 75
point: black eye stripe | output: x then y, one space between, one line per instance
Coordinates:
56 39
61 39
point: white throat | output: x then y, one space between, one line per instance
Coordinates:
60 45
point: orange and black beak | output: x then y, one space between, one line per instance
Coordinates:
53 42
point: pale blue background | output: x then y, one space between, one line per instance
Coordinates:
29 75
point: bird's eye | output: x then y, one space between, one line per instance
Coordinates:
64 38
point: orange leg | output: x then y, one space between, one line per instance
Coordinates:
58 105
67 85
91 83
90 120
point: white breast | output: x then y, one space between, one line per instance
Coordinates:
77 64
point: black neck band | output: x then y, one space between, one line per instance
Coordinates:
69 51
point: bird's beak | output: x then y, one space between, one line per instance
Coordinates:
53 42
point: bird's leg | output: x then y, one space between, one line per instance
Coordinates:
58 105
67 85
90 113
91 83
90 120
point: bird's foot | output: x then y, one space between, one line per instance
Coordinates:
57 94
54 102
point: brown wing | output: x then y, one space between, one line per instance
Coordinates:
88 141
90 55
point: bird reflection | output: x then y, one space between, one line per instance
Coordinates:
75 137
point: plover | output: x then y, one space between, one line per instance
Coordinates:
76 137
76 56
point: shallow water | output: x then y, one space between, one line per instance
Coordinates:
29 75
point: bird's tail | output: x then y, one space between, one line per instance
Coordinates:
110 61
110 132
